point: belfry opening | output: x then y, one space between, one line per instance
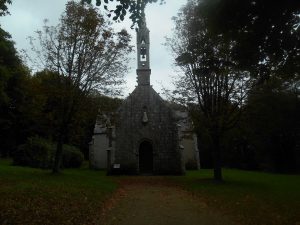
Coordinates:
148 135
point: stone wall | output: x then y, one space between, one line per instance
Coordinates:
98 155
98 147
160 130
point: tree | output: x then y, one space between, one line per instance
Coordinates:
267 34
8 56
87 55
40 114
271 126
3 7
211 76
134 7
84 121
13 76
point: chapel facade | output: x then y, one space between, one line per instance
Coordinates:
148 136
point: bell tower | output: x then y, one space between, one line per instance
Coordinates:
143 60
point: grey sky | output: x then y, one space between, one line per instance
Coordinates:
27 16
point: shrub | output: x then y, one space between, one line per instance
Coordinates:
36 152
191 164
72 157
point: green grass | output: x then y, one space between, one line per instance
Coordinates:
249 197
34 196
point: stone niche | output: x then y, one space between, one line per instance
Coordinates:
147 138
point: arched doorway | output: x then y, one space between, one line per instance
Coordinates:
146 157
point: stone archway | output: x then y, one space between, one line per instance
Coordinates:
146 157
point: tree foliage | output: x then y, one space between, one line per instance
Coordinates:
84 49
211 76
3 7
267 135
271 126
230 52
13 78
134 7
267 34
38 152
87 55
8 59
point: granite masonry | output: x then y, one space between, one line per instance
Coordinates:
148 136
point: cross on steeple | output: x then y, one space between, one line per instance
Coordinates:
143 59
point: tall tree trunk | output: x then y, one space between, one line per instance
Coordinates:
217 158
58 154
68 113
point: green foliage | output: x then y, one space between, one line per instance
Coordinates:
34 100
95 57
38 152
72 157
240 58
266 137
8 60
134 7
272 122
211 77
13 82
38 104
85 55
3 7
266 33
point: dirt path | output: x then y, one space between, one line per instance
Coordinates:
155 201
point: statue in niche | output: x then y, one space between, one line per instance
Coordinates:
145 119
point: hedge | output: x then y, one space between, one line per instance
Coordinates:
38 152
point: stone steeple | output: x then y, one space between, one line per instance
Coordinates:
147 136
143 60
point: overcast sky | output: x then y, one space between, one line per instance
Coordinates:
27 16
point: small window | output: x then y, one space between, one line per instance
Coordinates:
143 54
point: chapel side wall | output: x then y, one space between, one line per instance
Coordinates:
190 154
99 155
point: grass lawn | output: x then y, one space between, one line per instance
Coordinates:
250 197
34 196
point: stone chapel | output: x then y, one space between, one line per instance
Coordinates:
148 136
